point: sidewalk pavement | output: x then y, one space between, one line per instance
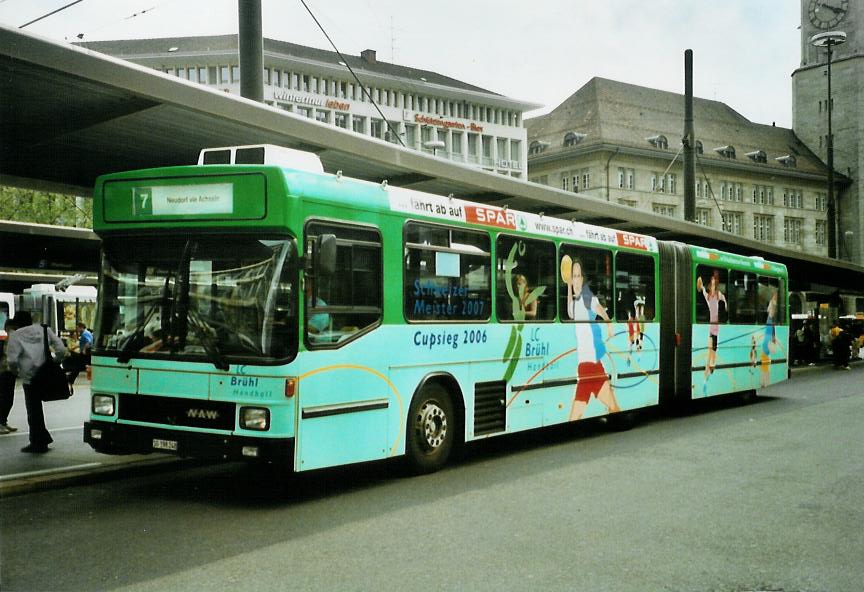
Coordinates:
70 461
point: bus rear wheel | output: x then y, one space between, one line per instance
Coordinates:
431 429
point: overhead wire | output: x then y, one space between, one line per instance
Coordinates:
350 69
44 16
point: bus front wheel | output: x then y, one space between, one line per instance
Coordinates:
431 429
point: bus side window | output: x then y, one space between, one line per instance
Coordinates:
710 292
743 287
447 274
350 300
771 307
634 287
590 272
525 279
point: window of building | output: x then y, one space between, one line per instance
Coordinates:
703 216
626 178
358 124
267 76
341 120
377 128
672 182
821 202
304 111
793 198
658 142
763 228
725 151
565 182
525 279
788 161
349 301
664 209
472 144
758 156
536 147
592 268
634 287
447 274
792 230
573 138
586 179
733 222
411 135
820 232
322 116
211 75
235 73
515 153
224 77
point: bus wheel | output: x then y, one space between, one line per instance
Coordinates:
431 429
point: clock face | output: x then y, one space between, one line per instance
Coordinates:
827 14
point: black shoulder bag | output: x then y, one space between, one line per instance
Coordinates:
50 379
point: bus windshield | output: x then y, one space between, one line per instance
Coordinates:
215 298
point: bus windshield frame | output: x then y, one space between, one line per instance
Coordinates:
208 298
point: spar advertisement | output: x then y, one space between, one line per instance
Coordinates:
448 208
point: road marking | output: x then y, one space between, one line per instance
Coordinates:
27 433
48 471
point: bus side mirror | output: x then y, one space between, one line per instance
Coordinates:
324 255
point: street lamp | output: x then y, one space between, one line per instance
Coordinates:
829 39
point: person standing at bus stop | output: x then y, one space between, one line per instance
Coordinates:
25 354
7 383
584 308
75 362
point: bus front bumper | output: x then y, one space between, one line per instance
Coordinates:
113 438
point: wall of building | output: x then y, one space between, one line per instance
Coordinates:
794 207
476 133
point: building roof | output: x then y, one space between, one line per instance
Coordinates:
137 49
628 115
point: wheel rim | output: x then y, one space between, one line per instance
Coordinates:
431 426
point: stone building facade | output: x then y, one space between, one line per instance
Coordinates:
622 143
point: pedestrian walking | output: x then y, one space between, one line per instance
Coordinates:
25 354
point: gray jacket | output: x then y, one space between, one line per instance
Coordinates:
25 351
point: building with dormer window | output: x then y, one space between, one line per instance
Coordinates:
630 153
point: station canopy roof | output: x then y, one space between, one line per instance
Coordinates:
69 114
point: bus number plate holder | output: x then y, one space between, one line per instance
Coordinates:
165 444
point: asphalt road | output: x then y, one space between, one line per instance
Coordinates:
765 496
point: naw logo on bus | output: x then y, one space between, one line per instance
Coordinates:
490 216
193 413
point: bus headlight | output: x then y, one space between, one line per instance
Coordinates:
103 404
255 418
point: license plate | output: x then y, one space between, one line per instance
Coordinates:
165 444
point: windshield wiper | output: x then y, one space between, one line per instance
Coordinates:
200 326
162 303
129 346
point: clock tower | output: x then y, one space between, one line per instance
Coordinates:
810 109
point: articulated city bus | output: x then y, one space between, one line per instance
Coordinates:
275 312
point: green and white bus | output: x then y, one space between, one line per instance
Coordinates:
271 311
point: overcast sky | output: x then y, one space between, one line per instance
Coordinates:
541 51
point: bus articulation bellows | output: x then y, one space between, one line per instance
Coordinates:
252 306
